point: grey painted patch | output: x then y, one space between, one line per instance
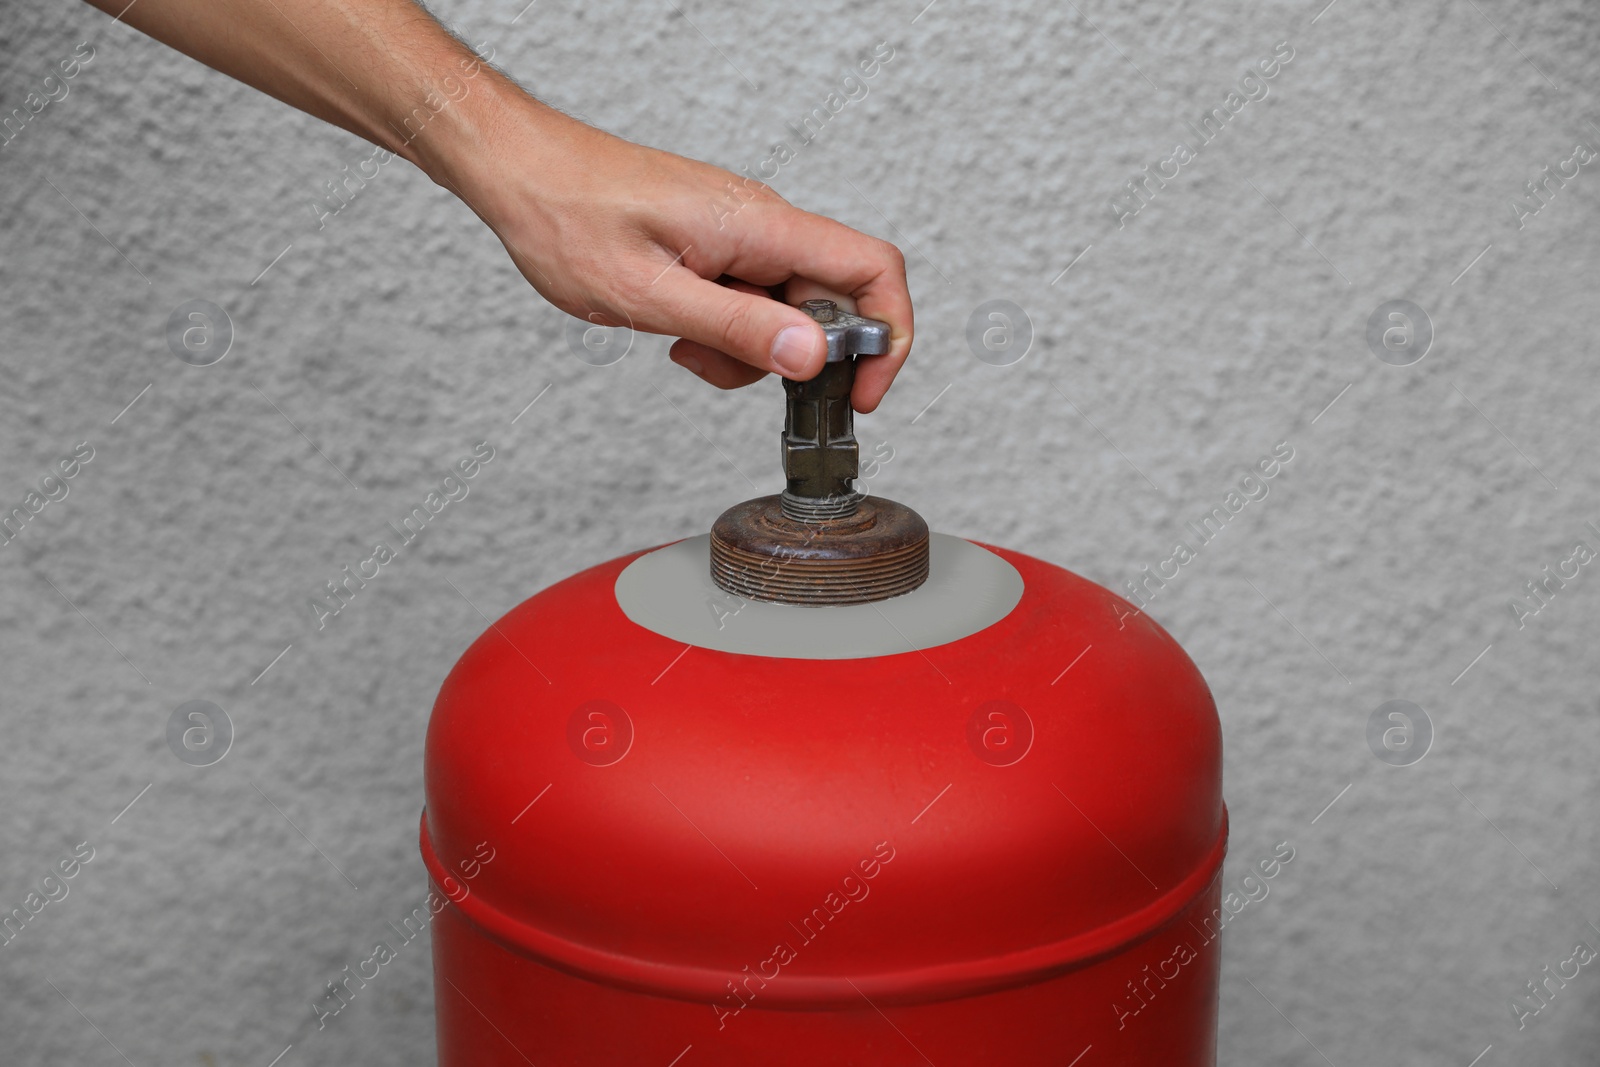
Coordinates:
670 592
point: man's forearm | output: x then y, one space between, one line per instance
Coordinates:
380 69
609 231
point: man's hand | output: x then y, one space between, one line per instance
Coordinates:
606 230
626 235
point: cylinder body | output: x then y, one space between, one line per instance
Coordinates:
1003 849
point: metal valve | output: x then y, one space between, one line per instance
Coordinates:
820 541
820 455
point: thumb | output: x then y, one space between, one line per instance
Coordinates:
753 329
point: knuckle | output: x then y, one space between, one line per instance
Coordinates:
738 324
757 191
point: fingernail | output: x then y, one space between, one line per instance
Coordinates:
688 363
791 351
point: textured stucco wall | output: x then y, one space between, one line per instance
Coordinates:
1221 319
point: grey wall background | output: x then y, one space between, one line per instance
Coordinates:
1226 317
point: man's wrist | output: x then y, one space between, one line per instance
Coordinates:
442 109
474 124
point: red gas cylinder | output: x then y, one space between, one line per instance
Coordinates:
890 798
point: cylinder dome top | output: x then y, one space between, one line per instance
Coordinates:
968 815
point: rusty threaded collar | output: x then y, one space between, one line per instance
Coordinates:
878 551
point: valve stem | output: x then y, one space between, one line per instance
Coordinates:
820 455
